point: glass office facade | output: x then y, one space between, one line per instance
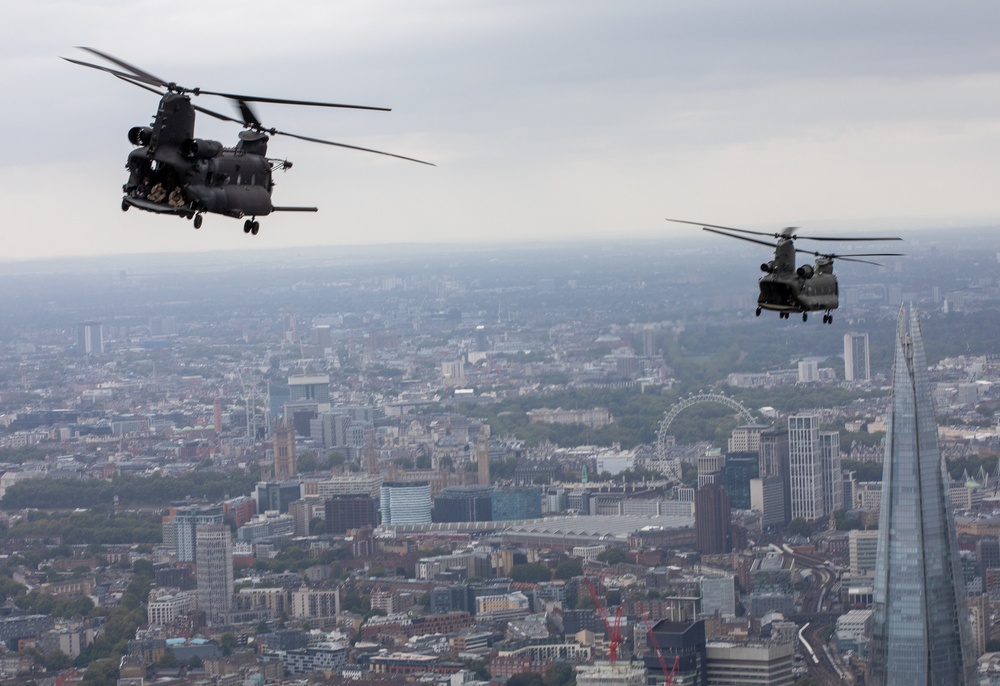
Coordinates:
921 632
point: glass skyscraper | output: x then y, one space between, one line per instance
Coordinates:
921 633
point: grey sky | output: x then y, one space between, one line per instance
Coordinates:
548 120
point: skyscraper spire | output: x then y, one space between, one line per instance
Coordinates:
921 634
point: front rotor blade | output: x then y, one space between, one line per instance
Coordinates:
727 228
125 65
741 238
344 145
133 78
283 101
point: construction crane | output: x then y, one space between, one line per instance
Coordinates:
615 638
656 647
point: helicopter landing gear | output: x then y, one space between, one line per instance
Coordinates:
251 227
197 221
828 319
757 312
125 205
805 316
782 315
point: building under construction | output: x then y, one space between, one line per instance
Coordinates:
610 674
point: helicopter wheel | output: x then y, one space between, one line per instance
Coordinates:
757 312
197 221
805 316
247 225
125 206
254 228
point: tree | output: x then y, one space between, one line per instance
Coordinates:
533 572
560 674
800 527
567 569
613 556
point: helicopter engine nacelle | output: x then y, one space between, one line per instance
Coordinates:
805 271
200 148
140 135
767 267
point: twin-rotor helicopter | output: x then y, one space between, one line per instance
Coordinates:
808 288
173 172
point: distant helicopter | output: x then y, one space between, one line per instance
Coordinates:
784 288
172 172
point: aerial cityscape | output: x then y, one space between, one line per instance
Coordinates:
585 463
500 343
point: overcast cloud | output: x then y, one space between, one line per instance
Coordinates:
548 120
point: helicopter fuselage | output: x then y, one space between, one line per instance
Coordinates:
235 182
808 288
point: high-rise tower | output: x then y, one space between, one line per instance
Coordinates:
856 361
214 560
805 467
921 632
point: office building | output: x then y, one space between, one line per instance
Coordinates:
833 476
718 594
345 513
856 360
463 504
406 503
316 388
739 469
180 525
767 496
90 338
805 467
276 495
921 632
862 546
514 502
712 517
215 571
740 664
774 462
681 643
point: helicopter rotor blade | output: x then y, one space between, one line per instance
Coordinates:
249 116
344 145
114 72
726 228
741 238
217 115
144 75
285 101
848 239
852 257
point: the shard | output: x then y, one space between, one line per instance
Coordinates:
921 634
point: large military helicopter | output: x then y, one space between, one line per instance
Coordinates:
809 288
172 172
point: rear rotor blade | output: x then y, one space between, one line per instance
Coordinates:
848 239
